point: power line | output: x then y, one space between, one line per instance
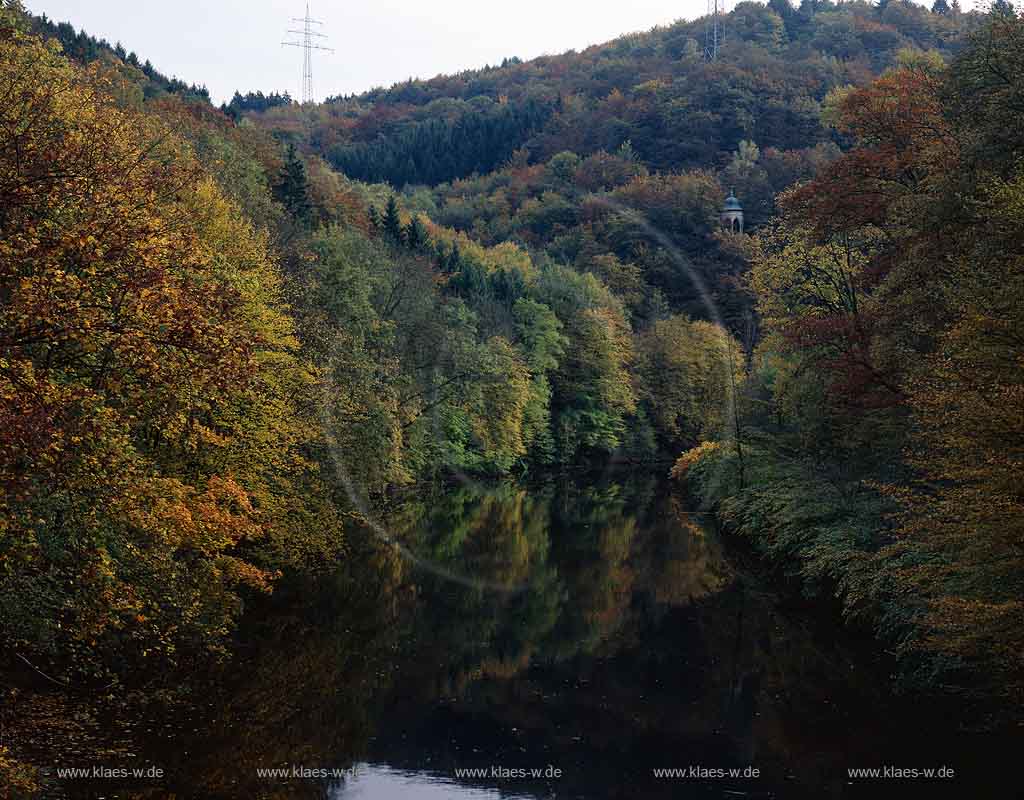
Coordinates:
308 46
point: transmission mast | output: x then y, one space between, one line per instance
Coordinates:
308 45
715 29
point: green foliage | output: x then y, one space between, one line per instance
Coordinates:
440 149
592 389
881 458
391 223
653 240
216 347
474 372
652 90
825 534
153 465
292 189
684 370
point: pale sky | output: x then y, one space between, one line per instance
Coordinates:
236 44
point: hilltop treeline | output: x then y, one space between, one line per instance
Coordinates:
86 49
655 89
633 144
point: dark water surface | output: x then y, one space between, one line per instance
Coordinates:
563 641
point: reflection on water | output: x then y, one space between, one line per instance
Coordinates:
377 782
596 633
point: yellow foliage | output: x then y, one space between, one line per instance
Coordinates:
692 457
154 411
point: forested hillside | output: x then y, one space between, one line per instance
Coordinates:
882 446
218 353
616 160
655 90
859 434
227 333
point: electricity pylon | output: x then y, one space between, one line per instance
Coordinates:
715 29
308 46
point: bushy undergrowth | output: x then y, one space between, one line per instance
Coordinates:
831 538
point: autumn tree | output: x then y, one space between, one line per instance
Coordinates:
152 441
891 295
688 371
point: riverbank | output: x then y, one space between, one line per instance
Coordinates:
827 541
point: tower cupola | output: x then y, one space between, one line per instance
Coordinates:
732 213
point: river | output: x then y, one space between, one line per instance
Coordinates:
577 639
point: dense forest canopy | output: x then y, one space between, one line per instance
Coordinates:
616 160
227 333
885 397
655 90
216 351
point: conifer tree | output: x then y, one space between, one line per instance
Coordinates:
454 259
392 223
293 189
415 235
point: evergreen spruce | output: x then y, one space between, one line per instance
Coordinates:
392 223
293 189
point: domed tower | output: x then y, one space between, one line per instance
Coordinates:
732 214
